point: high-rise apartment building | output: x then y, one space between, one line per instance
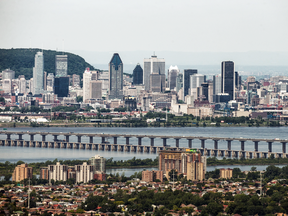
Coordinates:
186 84
138 75
58 172
38 73
7 85
186 162
228 78
98 163
22 172
151 176
152 65
116 77
172 77
61 65
226 173
84 172
44 173
86 84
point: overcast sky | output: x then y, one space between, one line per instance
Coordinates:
150 25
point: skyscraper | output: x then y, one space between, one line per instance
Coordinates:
228 79
152 65
86 84
216 86
61 86
96 89
8 74
61 65
138 75
116 77
187 74
172 76
179 82
99 163
58 172
38 73
195 81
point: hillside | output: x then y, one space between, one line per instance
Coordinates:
22 61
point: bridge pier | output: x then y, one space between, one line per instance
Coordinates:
189 143
55 137
177 142
229 144
67 138
242 145
43 138
202 143
270 146
31 137
283 147
91 139
151 141
216 144
102 139
79 139
127 140
139 141
115 140
256 145
20 136
164 141
8 136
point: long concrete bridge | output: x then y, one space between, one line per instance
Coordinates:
64 143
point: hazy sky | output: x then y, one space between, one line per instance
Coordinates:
150 25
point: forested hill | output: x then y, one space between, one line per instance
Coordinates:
22 61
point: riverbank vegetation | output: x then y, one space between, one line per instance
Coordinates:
213 161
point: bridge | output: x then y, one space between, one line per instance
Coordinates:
104 146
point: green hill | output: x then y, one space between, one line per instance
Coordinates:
22 61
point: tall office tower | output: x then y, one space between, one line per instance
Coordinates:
61 65
195 81
87 75
45 81
203 94
152 65
216 86
95 89
8 74
172 77
58 172
98 163
138 75
61 86
116 77
38 73
84 173
75 80
186 85
157 82
22 172
179 82
228 79
22 85
50 82
7 86
191 163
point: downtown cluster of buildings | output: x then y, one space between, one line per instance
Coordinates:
150 88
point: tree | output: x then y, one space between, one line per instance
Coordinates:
79 99
214 208
172 175
253 169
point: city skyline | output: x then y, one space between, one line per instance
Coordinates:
207 30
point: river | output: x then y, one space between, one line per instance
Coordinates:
28 155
